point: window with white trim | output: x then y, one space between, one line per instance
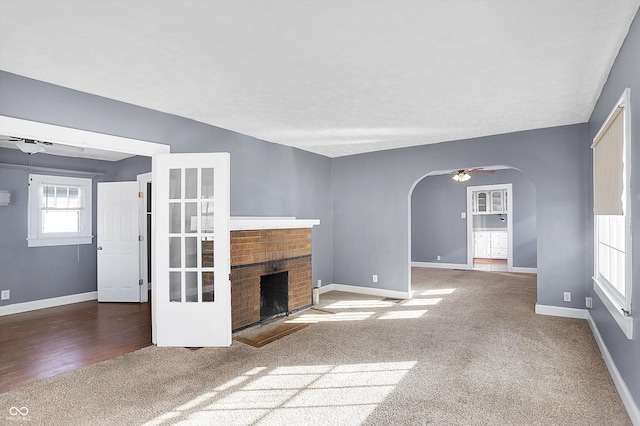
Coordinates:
612 215
59 211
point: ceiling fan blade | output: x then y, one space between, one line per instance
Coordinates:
51 147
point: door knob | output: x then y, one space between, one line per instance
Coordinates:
99 247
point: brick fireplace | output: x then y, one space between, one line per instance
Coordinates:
264 258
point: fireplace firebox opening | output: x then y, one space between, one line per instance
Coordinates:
274 295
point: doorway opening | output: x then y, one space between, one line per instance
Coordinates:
96 141
439 235
490 227
86 140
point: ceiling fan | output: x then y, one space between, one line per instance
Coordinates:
32 146
463 175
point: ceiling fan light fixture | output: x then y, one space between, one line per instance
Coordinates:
461 176
29 148
32 146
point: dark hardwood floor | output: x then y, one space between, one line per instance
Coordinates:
44 343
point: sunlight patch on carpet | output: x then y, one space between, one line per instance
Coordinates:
422 302
355 304
240 379
307 394
302 369
437 292
341 316
197 401
413 314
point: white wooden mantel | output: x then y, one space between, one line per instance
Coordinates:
251 223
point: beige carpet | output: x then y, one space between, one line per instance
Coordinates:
466 350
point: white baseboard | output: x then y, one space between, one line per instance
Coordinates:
365 290
523 270
17 308
440 265
623 390
559 311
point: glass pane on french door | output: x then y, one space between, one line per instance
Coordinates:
191 235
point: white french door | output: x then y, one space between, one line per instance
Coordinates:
192 293
118 246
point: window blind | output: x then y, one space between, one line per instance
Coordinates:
608 166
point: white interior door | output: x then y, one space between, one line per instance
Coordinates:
118 246
191 290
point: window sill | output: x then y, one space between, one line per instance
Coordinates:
67 241
624 322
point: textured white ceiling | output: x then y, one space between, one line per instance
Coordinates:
331 77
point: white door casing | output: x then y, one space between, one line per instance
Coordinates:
191 290
117 242
144 182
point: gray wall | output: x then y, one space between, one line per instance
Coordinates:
371 206
129 168
34 273
266 179
437 229
625 73
436 226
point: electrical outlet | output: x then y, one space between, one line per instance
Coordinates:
5 295
375 278
588 302
567 296
438 257
319 283
463 215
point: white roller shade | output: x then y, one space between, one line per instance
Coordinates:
608 166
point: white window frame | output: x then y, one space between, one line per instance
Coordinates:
617 304
35 236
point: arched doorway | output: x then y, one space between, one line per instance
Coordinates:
439 219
